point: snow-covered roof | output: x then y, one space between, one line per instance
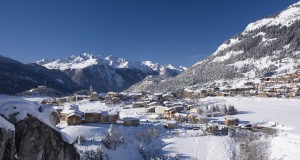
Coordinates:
71 109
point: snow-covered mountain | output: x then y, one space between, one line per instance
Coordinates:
266 47
85 60
108 73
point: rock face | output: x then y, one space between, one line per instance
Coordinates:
28 132
36 140
7 140
267 47
32 139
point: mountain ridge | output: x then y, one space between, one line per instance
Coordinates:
106 74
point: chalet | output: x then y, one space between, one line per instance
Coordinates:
230 121
73 119
92 117
130 121
109 116
70 110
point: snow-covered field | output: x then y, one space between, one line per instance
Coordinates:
284 112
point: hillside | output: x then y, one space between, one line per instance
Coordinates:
17 77
267 47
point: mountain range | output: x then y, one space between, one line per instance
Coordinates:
108 73
74 73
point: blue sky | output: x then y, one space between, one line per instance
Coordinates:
180 32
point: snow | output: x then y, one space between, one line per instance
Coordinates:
161 69
285 146
225 45
285 18
200 148
228 55
11 105
284 112
87 106
284 65
6 125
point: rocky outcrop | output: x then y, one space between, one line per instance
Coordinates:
36 140
33 139
7 140
54 118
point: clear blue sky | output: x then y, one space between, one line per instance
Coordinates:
179 32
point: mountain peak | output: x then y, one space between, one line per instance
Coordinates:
85 60
284 18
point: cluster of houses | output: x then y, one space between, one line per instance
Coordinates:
282 86
73 116
286 85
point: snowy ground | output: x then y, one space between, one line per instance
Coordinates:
188 143
285 112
